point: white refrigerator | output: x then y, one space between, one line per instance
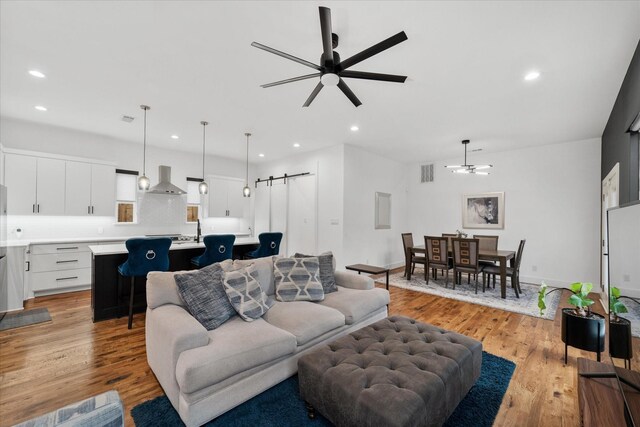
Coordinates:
4 283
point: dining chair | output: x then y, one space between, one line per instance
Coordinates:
512 272
145 255
437 257
410 258
487 243
217 248
269 245
465 260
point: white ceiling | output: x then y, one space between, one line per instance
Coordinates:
192 61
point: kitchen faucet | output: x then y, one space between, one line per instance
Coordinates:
198 232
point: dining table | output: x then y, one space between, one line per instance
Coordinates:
501 256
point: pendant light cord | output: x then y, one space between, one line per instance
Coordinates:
204 130
144 139
247 176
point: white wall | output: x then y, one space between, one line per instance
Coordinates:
328 166
552 198
51 139
364 174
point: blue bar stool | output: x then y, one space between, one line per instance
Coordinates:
269 245
145 255
217 247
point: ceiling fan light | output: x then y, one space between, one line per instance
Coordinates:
330 79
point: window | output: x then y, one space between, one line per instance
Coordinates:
194 199
126 185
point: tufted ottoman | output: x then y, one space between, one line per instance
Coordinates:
395 372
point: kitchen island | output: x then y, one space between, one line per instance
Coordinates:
106 300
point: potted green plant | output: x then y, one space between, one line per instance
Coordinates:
581 328
620 343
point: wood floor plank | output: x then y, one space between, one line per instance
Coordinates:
49 365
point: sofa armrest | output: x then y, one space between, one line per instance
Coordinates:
354 281
170 330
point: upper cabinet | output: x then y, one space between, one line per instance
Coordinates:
225 197
90 189
35 185
39 185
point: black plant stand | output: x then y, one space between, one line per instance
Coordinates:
585 333
620 343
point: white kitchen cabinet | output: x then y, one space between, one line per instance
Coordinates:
78 189
20 179
90 189
225 197
103 190
59 267
35 185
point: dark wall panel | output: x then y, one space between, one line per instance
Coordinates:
618 146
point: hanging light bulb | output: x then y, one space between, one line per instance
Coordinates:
246 191
143 182
203 187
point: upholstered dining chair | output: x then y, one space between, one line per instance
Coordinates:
217 247
437 257
487 243
512 272
145 255
411 259
269 245
465 260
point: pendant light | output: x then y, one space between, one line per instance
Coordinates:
203 187
468 169
246 191
143 182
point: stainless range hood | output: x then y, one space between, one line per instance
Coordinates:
164 185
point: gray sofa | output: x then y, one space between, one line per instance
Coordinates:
206 373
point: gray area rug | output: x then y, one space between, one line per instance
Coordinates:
526 304
24 318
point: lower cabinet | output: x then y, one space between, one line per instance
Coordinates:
59 267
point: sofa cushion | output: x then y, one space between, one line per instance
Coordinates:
305 320
356 304
234 347
327 269
264 267
203 292
297 279
245 294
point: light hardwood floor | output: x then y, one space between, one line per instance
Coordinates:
46 366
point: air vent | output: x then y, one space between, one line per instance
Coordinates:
426 173
127 119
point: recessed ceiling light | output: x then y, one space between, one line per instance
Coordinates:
41 108
38 74
532 75
296 145
175 137
260 155
354 128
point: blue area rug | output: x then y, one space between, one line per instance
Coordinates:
281 405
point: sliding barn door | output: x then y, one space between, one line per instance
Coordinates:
302 229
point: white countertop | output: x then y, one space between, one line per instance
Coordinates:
120 248
27 242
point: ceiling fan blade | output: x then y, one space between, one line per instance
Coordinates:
286 55
373 50
352 97
327 42
313 95
373 76
291 80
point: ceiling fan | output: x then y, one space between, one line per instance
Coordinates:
468 168
331 69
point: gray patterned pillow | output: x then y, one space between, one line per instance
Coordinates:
297 279
245 294
327 268
204 295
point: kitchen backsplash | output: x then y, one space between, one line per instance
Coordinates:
157 214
